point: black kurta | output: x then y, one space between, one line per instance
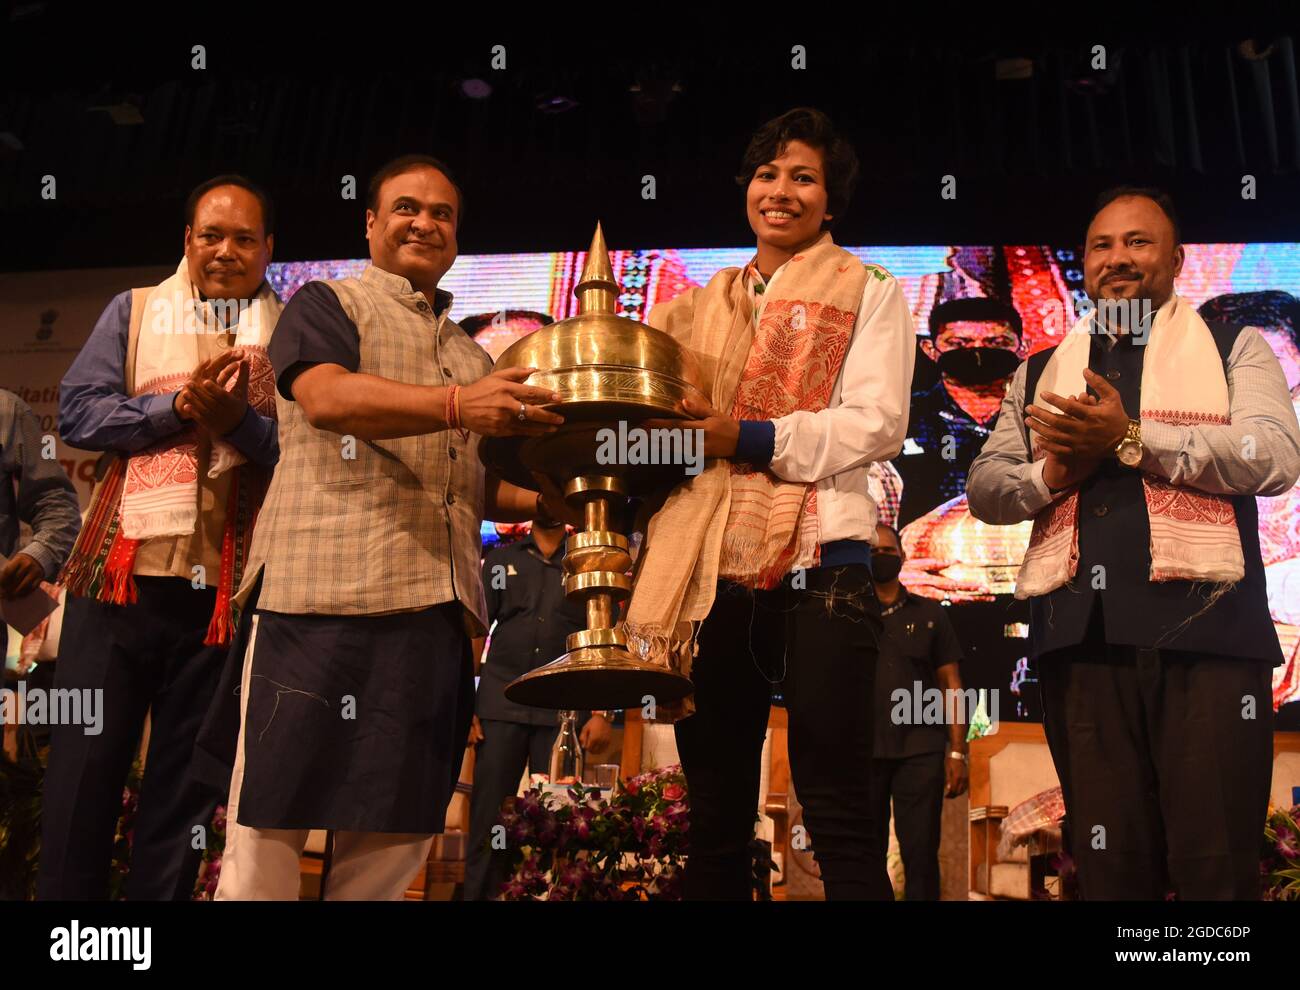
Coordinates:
356 723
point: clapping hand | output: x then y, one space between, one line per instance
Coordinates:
1070 440
1089 429
216 395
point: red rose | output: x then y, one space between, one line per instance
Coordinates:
674 792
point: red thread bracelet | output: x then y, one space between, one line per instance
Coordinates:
453 412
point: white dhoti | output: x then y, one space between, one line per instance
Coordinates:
262 864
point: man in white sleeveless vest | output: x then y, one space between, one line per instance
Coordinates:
174 384
1137 446
358 688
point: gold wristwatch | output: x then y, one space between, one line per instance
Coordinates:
1129 450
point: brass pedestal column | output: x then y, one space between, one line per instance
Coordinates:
611 373
598 671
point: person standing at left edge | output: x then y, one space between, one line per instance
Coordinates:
175 383
35 490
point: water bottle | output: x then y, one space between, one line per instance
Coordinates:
566 753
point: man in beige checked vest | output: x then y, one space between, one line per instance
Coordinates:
357 682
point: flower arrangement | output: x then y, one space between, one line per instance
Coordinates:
205 888
1279 866
124 835
630 847
20 827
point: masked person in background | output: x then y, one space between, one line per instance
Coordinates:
976 344
915 764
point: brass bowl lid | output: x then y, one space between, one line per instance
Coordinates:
607 369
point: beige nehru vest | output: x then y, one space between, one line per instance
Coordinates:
366 527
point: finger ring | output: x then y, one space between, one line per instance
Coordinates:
523 411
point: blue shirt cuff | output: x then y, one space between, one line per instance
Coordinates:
246 432
163 420
757 442
839 553
255 438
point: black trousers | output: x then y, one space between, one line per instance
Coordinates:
820 643
916 785
1165 760
507 747
147 657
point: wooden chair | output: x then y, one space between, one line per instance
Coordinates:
443 875
1006 768
1015 764
777 803
10 744
1286 768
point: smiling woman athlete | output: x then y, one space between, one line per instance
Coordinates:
757 570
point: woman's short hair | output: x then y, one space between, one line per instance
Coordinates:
814 129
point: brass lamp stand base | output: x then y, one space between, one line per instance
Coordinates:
599 678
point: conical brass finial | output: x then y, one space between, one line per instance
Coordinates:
597 290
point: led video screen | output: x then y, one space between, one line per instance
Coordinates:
953 557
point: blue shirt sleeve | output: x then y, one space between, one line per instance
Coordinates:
95 413
312 329
257 437
756 443
35 490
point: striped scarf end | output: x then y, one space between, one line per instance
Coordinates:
76 579
119 588
221 630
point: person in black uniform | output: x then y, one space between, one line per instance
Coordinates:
916 765
524 584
